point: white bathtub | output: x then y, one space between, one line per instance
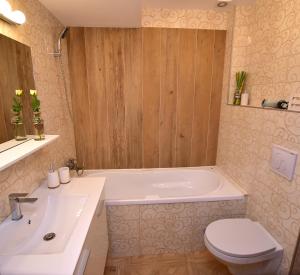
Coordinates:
171 185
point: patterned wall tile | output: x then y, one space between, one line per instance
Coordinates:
124 248
165 228
126 212
165 235
40 32
187 19
161 211
266 44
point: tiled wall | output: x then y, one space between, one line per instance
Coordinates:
246 135
40 33
165 228
266 44
186 19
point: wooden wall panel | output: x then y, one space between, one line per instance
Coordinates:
96 81
84 125
152 96
203 88
115 75
168 97
133 98
216 96
186 89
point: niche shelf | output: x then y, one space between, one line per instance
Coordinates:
23 150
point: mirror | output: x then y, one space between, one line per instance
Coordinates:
16 72
265 44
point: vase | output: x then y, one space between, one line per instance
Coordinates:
19 127
237 97
38 124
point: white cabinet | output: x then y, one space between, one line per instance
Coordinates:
93 255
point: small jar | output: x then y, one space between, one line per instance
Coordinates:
19 127
38 124
245 99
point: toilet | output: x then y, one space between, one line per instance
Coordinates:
244 246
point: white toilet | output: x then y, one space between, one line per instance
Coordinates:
244 246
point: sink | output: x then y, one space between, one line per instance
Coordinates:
57 214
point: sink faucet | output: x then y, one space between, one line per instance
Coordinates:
15 200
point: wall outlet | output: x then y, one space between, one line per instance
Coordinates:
283 161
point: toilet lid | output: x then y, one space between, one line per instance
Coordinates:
239 238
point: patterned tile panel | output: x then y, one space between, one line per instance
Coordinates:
40 33
186 19
246 135
165 228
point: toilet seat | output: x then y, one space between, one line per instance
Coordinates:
239 238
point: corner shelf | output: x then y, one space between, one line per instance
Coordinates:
21 151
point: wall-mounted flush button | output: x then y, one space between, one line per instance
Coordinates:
283 161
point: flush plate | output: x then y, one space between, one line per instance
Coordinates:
283 161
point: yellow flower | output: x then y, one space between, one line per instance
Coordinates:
19 92
33 92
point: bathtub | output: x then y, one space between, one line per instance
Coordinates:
167 185
155 211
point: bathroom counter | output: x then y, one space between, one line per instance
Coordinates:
61 261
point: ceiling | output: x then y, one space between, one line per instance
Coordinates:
118 13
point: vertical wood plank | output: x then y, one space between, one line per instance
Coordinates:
169 70
141 97
203 89
133 97
83 118
186 82
151 96
114 75
94 46
218 67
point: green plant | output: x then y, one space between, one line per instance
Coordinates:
17 102
240 80
35 102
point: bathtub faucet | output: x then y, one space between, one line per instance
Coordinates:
73 165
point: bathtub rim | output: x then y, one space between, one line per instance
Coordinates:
210 197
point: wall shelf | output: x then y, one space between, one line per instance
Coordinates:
21 151
262 108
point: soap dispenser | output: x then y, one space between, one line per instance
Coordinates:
53 178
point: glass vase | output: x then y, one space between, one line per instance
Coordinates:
38 124
19 127
237 97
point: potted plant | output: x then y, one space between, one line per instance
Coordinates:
240 83
17 120
38 122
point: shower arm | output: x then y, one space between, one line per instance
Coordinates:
62 35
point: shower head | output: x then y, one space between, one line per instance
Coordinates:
62 35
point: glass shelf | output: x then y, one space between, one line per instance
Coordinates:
262 108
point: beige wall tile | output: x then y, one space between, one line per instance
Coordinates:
165 228
187 19
40 33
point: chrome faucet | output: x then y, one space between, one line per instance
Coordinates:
73 165
15 200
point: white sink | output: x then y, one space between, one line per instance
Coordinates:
54 214
66 211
